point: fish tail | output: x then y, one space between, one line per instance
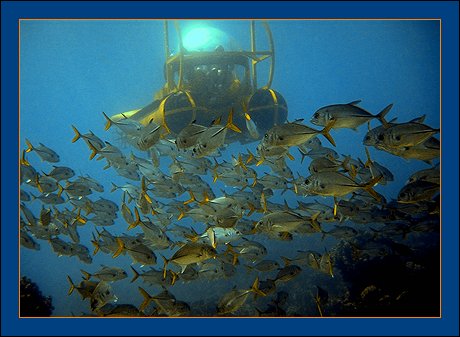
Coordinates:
241 163
381 115
260 161
72 286
77 134
93 149
256 290
114 188
136 274
368 162
193 237
192 198
79 218
96 246
232 252
121 246
109 121
286 261
136 221
181 214
315 224
205 198
86 274
37 181
29 146
165 264
144 191
318 306
147 299
24 161
251 157
368 187
230 124
303 153
174 277
352 171
252 208
326 134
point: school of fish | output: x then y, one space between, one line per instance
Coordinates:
335 196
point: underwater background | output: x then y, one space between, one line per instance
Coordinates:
71 71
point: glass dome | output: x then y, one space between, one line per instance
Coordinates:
206 38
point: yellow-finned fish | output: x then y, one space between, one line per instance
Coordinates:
347 115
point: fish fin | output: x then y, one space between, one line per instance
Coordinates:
249 268
79 218
369 160
23 159
136 274
352 171
147 299
192 198
165 261
381 115
137 221
420 119
93 149
256 290
77 134
250 157
318 306
303 154
37 181
121 246
96 245
263 201
29 146
252 208
314 222
72 286
355 102
181 214
109 121
335 207
325 132
86 274
230 124
286 261
368 187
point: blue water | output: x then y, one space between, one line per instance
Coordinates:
71 71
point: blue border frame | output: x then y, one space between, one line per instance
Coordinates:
447 11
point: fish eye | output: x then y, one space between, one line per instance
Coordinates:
380 137
367 137
307 181
316 115
266 135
